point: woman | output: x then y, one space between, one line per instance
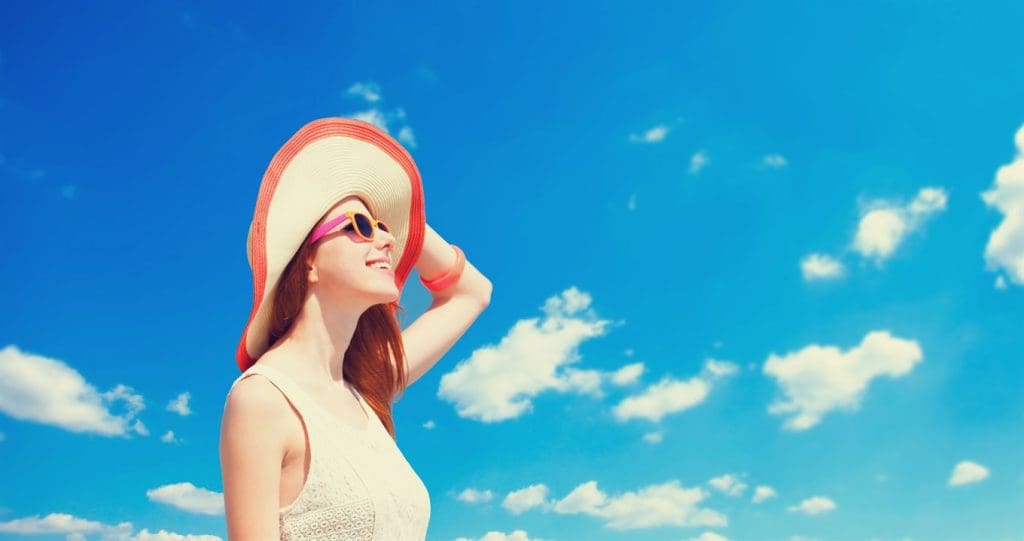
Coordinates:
308 449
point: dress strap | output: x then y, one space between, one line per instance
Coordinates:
284 383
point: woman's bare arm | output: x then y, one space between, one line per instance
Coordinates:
252 449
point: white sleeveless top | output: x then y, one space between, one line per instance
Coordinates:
359 485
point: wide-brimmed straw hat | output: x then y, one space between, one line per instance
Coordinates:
325 161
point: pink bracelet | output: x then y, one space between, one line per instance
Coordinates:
449 277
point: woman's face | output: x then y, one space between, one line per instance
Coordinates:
341 257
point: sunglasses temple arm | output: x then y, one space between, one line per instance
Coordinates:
323 229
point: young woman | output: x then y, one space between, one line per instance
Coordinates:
308 448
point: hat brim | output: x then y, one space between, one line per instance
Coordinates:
325 161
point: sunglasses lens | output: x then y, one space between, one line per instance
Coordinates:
383 227
364 226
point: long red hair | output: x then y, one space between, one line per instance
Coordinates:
377 339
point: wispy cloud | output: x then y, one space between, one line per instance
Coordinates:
774 161
653 135
472 495
819 379
179 404
497 382
709 536
665 504
654 437
671 395
44 390
389 121
820 267
698 161
728 484
762 493
627 375
369 91
967 472
188 497
76 529
884 224
814 505
520 501
168 437
494 535
28 173
1005 248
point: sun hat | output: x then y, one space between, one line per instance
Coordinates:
325 161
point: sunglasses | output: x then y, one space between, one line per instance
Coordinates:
365 226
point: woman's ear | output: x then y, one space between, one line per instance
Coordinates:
311 275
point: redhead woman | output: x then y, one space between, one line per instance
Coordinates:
308 448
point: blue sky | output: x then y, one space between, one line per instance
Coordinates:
758 269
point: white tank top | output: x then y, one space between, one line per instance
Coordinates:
359 485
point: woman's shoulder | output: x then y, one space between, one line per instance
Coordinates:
256 409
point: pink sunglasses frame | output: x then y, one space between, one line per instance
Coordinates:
350 215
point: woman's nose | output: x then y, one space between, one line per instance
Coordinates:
384 238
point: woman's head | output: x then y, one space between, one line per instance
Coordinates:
338 266
335 268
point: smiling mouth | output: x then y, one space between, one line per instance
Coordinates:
387 270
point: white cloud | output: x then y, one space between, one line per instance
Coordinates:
472 495
1005 248
429 425
628 374
720 369
406 136
662 398
667 504
44 390
709 536
884 225
820 267
524 499
698 161
775 161
818 379
584 381
180 404
762 493
631 205
654 437
815 505
671 395
728 484
654 135
966 472
76 529
168 437
369 91
387 121
497 382
188 497
494 535
1000 282
139 428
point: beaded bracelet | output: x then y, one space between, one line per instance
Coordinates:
449 277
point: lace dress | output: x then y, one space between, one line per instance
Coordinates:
359 485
